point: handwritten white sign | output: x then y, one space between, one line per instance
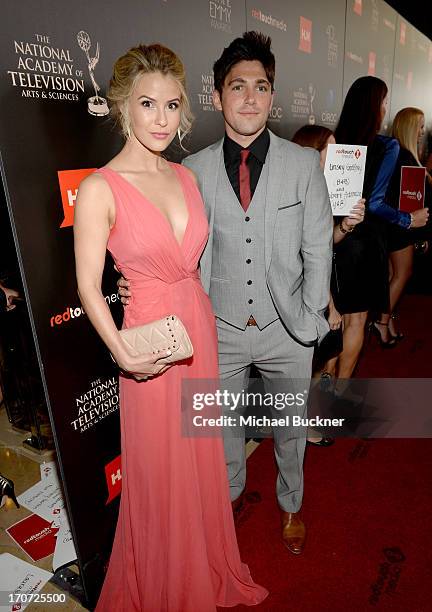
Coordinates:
65 550
45 498
344 173
18 578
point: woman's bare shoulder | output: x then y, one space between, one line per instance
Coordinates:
94 190
94 184
95 199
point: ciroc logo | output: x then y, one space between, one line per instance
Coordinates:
276 113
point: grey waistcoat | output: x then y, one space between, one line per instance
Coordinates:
238 262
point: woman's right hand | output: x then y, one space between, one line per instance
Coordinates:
143 366
419 218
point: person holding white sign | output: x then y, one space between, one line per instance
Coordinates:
319 137
360 283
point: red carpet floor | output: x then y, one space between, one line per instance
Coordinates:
412 358
367 507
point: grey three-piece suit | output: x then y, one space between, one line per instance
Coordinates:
272 262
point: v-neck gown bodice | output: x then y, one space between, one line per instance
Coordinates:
175 547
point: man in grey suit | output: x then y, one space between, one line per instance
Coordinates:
266 266
267 262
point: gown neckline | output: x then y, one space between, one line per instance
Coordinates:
156 208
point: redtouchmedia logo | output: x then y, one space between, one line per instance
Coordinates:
74 312
279 24
69 181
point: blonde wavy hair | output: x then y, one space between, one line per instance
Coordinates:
144 60
405 129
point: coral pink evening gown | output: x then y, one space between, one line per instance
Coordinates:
175 547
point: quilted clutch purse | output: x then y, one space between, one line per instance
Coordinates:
159 336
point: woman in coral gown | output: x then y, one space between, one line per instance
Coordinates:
175 547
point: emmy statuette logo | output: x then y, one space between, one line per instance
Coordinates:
312 94
96 105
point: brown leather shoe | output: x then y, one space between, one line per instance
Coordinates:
293 532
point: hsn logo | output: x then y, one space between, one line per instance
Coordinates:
305 42
69 181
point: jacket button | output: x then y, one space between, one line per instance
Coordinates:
248 240
249 282
247 218
248 261
250 301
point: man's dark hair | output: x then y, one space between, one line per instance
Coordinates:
251 46
360 119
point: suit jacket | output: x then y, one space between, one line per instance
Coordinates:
298 232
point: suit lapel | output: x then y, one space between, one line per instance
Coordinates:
276 174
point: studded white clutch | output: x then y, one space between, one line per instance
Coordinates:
159 336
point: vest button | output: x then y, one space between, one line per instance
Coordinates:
250 301
249 282
248 261
247 218
248 240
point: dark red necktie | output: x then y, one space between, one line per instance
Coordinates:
244 179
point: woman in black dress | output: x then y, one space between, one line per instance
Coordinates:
408 128
360 280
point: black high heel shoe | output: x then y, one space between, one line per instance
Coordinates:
398 337
387 344
7 489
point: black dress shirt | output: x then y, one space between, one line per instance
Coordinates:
258 153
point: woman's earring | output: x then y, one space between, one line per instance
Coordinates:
179 134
